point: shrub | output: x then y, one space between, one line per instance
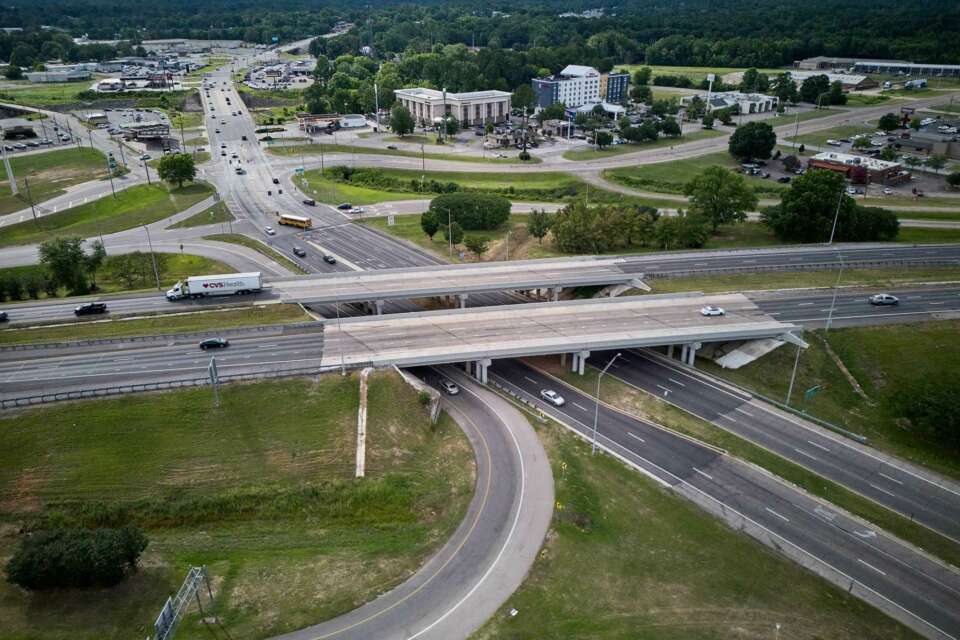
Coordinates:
472 211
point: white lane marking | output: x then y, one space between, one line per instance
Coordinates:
883 475
805 304
530 379
882 490
663 387
804 453
705 475
744 412
818 446
784 518
582 408
729 418
636 437
867 564
677 382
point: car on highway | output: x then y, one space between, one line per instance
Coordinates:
329 259
216 130
90 308
344 206
710 310
449 387
552 397
392 147
276 181
239 171
357 210
214 343
269 231
300 252
883 299
310 202
144 156
3 316
243 137
887 191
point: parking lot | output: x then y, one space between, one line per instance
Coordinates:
48 132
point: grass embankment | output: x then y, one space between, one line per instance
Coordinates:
670 177
654 409
138 205
317 149
819 138
256 245
212 215
620 149
696 74
189 320
881 359
652 565
114 279
261 491
49 174
721 283
44 94
397 184
855 100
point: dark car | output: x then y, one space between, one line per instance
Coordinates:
276 181
783 179
243 137
344 206
299 252
90 308
214 343
392 147
310 201
329 259
3 316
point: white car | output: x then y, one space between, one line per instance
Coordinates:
834 143
357 210
144 156
712 311
269 231
887 191
450 387
552 397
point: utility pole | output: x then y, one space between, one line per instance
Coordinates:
14 189
153 257
596 410
376 103
111 163
793 375
33 210
90 135
147 169
123 158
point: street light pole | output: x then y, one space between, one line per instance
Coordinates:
793 376
836 289
596 410
147 169
153 257
836 216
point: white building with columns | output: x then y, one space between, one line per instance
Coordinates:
470 108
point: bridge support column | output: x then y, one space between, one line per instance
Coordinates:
563 359
379 307
582 361
692 353
480 369
684 353
463 299
574 365
670 351
556 293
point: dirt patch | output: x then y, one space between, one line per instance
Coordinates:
23 497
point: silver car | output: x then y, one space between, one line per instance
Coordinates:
552 397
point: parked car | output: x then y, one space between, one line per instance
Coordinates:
329 259
269 231
552 397
450 387
214 343
310 202
883 299
144 156
887 191
834 143
90 308
344 206
710 310
783 179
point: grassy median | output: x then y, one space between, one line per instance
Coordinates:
626 559
214 214
48 175
261 491
316 149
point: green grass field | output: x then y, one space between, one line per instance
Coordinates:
620 149
791 118
261 491
256 245
867 100
214 214
670 177
626 559
694 73
49 174
317 149
40 95
879 358
138 205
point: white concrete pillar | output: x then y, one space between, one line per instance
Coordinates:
556 293
684 351
670 351
463 299
563 359
574 365
691 359
379 307
484 365
582 361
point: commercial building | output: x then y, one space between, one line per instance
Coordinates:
746 102
895 67
860 168
60 73
849 81
475 107
154 130
578 85
817 63
352 121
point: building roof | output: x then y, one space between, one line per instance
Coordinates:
843 78
587 107
874 164
434 94
578 71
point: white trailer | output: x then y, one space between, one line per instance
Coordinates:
217 285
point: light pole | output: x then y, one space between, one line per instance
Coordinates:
343 369
596 410
147 169
793 376
507 257
836 289
836 216
153 257
449 233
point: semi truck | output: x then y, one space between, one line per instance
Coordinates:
217 285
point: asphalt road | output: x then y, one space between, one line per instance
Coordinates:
918 588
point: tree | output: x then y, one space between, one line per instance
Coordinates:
641 76
429 223
524 98
888 122
473 211
915 124
954 180
888 153
476 245
784 88
13 72
912 161
861 143
836 94
682 231
178 168
66 262
724 116
641 94
670 127
94 261
791 163
453 233
75 558
401 122
707 120
807 209
752 140
719 196
603 139
936 162
813 87
451 126
539 221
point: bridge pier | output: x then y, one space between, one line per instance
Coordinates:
462 297
563 359
379 307
691 353
670 351
480 369
556 293
579 362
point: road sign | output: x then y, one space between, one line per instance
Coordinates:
299 169
391 220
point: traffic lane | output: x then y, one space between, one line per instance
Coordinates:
663 454
933 506
913 582
857 307
368 249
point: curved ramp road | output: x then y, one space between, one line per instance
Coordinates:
489 555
